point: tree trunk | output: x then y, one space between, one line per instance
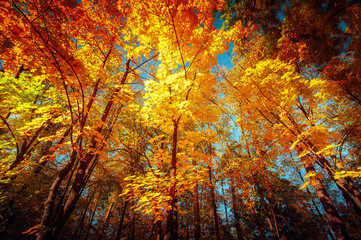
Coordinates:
235 212
275 212
105 221
265 207
197 221
158 230
131 235
51 229
279 228
347 188
120 227
351 194
333 217
280 231
79 228
324 224
214 204
172 214
91 217
227 230
46 228
256 220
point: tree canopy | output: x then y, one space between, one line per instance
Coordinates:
119 122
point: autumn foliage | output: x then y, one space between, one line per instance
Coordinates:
118 120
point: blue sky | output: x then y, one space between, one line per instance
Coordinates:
224 59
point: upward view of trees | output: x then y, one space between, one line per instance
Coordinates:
118 120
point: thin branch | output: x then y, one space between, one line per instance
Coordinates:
41 14
140 65
12 134
178 42
56 62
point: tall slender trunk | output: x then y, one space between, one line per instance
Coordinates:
197 221
91 217
348 189
46 230
51 229
131 235
131 202
79 228
350 193
121 220
234 199
333 217
158 230
235 211
324 224
274 210
265 206
227 231
105 221
280 231
172 214
257 221
214 204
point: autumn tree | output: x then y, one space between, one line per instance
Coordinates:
117 122
74 62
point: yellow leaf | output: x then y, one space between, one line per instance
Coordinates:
310 174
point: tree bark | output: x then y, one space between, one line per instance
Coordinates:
91 217
105 221
348 189
332 214
51 229
120 226
226 227
324 224
275 212
197 221
256 220
131 235
46 229
79 228
265 207
214 204
235 211
280 231
158 230
172 214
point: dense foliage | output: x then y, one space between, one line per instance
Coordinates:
117 122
